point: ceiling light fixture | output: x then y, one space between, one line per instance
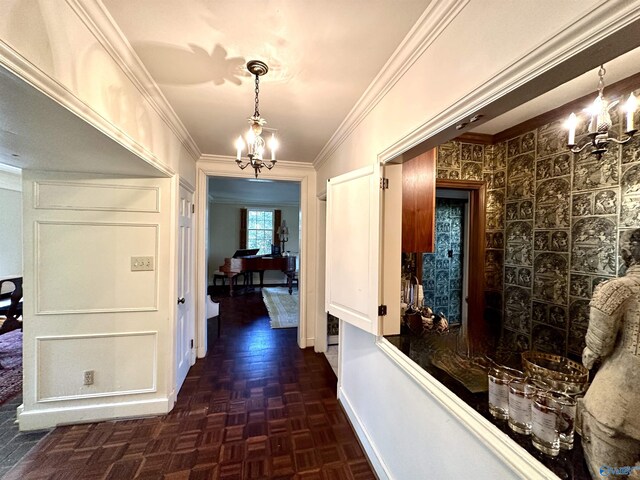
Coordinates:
600 122
256 146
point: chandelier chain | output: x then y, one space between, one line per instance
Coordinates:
256 113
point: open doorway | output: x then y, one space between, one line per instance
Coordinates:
445 270
10 283
253 245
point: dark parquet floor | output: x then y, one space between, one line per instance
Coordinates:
256 407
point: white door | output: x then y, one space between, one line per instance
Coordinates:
353 262
185 331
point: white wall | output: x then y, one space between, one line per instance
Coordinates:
84 309
459 61
416 437
72 52
11 233
224 234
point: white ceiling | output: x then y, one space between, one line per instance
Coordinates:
322 56
37 133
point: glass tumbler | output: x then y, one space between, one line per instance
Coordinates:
566 406
499 378
521 394
545 412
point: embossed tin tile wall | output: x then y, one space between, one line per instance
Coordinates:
554 224
469 161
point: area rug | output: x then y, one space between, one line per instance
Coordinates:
11 361
283 308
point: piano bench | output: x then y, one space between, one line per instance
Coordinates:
223 276
219 276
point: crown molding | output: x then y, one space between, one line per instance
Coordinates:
104 28
10 178
41 81
10 169
433 21
603 20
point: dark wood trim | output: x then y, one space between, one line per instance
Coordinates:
277 220
472 137
614 90
418 202
243 228
475 306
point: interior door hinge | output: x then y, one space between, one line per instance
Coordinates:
384 183
193 208
382 310
192 343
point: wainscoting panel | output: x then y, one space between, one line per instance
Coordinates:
122 364
86 267
93 196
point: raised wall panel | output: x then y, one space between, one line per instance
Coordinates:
123 364
93 196
353 248
86 267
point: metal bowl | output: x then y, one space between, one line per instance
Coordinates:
559 373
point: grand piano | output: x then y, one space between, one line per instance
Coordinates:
245 261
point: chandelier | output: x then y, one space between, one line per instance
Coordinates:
600 122
253 141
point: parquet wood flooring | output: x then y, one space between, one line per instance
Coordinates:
257 407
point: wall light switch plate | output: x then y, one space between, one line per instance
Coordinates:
141 264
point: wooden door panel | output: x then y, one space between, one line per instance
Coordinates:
418 203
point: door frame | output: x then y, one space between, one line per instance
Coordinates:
477 206
305 174
192 279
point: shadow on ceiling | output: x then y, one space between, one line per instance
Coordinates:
172 65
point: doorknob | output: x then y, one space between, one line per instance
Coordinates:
181 300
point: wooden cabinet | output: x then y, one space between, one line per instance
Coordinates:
418 203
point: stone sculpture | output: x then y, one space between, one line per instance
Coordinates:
611 413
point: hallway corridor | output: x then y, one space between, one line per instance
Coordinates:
256 407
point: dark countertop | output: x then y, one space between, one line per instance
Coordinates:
568 465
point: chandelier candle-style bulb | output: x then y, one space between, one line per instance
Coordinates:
239 148
273 146
630 107
571 124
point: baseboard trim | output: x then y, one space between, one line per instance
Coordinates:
370 450
38 419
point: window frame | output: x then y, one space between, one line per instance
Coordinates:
271 230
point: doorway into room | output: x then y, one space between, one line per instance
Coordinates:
253 246
445 270
10 283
